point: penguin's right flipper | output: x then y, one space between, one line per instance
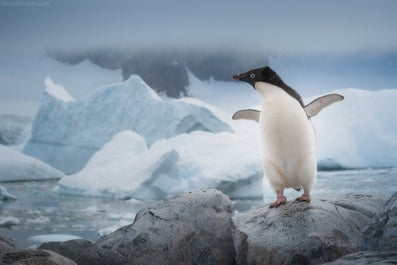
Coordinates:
247 114
314 107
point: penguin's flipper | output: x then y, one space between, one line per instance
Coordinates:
247 114
314 107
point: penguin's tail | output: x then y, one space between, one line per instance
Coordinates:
298 189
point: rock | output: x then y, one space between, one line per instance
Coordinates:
79 250
381 233
367 257
302 233
194 228
6 245
34 257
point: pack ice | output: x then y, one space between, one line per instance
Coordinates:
67 132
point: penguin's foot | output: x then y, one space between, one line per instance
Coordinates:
278 202
303 198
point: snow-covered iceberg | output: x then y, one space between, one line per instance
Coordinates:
16 166
125 168
66 132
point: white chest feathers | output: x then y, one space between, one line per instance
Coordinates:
288 139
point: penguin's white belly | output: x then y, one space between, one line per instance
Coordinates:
288 142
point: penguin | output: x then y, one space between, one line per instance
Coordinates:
287 132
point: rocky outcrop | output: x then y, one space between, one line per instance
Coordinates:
378 240
381 233
34 257
199 228
302 233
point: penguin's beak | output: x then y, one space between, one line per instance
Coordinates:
237 77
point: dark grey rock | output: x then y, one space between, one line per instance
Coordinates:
34 257
381 233
302 233
6 245
83 252
367 257
194 228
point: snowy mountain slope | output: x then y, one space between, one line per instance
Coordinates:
66 133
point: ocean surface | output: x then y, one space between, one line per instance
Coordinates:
40 212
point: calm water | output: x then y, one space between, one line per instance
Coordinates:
40 211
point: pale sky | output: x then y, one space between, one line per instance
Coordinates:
275 26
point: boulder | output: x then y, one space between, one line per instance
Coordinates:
303 233
194 228
381 233
367 257
34 257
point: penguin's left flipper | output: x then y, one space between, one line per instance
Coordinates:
247 114
314 107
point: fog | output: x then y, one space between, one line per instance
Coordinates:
288 32
271 26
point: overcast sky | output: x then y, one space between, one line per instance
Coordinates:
271 26
30 27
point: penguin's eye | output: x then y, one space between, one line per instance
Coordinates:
252 76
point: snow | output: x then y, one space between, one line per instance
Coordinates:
65 134
57 91
16 166
186 162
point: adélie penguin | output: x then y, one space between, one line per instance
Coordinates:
288 136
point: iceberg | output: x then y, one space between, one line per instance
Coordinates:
66 132
123 168
359 132
16 166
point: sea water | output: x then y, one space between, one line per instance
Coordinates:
40 215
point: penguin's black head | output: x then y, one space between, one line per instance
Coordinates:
267 75
264 74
